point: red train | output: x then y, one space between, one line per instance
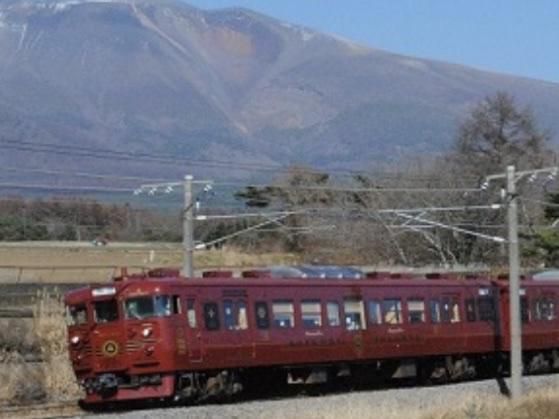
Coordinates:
162 336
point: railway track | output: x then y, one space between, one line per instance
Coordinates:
42 411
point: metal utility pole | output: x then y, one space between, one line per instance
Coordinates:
187 213
512 177
514 288
188 228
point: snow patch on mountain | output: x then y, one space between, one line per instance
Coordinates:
56 6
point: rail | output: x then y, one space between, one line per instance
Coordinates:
42 411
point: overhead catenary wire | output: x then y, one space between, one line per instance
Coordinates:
244 185
237 233
358 190
539 201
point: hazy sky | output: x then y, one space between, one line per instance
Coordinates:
510 36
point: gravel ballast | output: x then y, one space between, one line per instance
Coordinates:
394 403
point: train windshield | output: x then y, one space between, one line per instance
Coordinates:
144 307
106 311
76 315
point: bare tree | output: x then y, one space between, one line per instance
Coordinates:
497 133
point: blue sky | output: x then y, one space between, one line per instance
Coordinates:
509 36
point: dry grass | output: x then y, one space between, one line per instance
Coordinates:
17 336
51 380
21 382
83 263
542 404
50 328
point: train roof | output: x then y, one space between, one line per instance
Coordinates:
166 284
163 280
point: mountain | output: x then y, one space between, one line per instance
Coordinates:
161 77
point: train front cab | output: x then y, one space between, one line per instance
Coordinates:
122 342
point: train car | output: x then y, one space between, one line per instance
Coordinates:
162 336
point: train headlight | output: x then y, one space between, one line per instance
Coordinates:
75 340
147 332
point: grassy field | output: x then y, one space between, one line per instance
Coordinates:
83 262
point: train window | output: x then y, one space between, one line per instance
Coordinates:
544 309
262 317
211 316
242 318
145 307
524 309
354 314
392 311
176 304
283 313
455 310
235 315
311 314
435 310
191 314
76 315
333 311
471 310
375 316
229 318
445 310
416 311
486 308
450 310
106 311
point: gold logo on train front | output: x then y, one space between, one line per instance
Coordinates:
110 348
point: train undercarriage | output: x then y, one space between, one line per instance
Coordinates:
228 385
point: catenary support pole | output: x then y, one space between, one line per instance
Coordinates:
514 288
188 228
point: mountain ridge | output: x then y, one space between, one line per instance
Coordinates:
163 76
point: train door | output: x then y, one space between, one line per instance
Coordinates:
108 334
387 331
503 320
177 325
354 324
416 324
542 332
260 322
537 324
235 327
193 330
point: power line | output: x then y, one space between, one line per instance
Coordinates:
67 188
105 153
240 184
79 174
100 153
